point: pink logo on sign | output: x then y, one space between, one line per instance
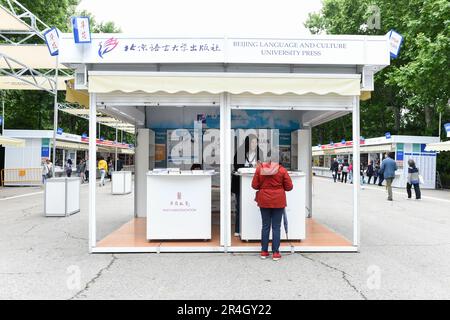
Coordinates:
178 195
109 46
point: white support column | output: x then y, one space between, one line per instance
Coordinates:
115 162
310 176
225 170
356 173
92 169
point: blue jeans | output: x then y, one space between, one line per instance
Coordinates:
271 217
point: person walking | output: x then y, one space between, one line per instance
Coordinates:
110 169
413 179
68 168
350 172
376 172
103 167
334 168
344 171
82 170
45 170
339 172
370 171
388 168
272 181
86 172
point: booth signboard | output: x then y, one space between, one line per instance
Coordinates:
119 48
81 29
52 40
395 42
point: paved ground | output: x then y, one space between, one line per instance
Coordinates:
404 254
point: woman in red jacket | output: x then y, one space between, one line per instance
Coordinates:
272 181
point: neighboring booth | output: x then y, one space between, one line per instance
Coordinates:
199 94
400 148
62 197
23 165
121 182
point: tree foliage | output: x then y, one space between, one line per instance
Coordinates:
415 88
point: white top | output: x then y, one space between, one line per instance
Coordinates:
250 159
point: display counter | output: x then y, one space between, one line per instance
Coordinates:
250 215
61 196
121 182
179 205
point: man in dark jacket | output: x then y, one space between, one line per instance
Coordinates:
334 169
388 168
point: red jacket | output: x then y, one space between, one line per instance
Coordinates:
271 180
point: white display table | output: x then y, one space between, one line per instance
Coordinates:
121 182
250 215
179 205
62 196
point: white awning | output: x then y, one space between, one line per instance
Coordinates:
439 146
11 142
11 83
35 56
71 145
8 22
235 83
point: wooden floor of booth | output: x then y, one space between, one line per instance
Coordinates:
133 234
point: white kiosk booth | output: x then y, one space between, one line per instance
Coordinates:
311 80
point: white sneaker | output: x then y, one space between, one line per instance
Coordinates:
236 234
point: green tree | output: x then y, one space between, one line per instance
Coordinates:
415 88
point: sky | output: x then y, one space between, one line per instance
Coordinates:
205 17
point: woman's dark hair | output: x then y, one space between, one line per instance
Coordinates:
247 141
411 163
69 161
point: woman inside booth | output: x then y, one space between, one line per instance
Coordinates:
247 155
272 181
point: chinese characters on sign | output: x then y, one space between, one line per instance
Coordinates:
52 39
81 29
174 47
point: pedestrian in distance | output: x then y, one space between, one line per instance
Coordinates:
339 172
82 170
68 167
271 180
350 172
376 170
45 170
413 179
344 171
370 171
334 168
103 168
388 168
